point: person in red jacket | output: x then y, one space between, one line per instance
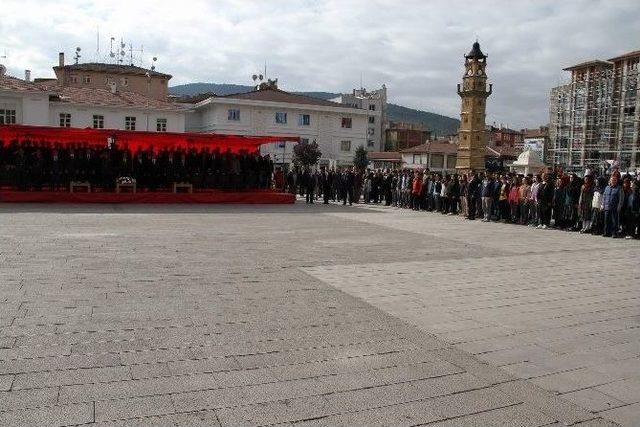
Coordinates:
416 190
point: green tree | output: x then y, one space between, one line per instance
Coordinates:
306 154
360 158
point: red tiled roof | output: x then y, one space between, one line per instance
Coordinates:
433 147
535 133
632 54
112 68
588 64
18 85
277 95
104 97
194 99
390 156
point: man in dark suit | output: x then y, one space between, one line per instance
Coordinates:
473 195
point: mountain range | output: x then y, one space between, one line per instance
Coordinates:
439 125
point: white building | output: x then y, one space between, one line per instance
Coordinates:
49 104
338 129
375 103
23 102
437 156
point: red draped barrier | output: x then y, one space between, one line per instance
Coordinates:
134 140
210 197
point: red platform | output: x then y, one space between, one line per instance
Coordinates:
213 196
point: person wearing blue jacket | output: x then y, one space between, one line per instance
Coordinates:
612 200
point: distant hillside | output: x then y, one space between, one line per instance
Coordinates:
438 124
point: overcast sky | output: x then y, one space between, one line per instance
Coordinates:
415 47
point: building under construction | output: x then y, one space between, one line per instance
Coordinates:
594 119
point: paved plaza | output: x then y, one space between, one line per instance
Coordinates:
311 315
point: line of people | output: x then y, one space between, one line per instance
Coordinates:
605 205
35 166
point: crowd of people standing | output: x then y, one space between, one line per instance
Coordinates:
605 205
35 166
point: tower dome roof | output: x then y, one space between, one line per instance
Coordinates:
476 53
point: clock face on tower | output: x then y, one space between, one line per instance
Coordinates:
470 72
479 73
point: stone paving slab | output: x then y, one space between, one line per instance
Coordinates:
265 315
561 312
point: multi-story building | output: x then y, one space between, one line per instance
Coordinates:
400 136
338 129
375 103
102 96
504 137
118 77
594 119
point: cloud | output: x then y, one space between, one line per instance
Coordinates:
414 47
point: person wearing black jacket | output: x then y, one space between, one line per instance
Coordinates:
348 179
473 195
545 200
326 182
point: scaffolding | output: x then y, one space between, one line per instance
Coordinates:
594 119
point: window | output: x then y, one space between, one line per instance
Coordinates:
345 145
346 122
372 119
370 142
124 81
65 120
372 107
371 131
451 161
304 120
73 79
304 140
7 117
281 118
437 161
233 115
98 121
129 123
86 79
161 125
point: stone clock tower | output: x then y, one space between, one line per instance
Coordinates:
473 135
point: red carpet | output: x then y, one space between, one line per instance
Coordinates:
240 197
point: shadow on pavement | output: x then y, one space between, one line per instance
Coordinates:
297 208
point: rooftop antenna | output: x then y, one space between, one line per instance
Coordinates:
131 52
121 53
112 54
77 55
361 80
97 43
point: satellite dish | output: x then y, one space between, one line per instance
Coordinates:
261 77
113 55
3 70
254 77
155 59
78 49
